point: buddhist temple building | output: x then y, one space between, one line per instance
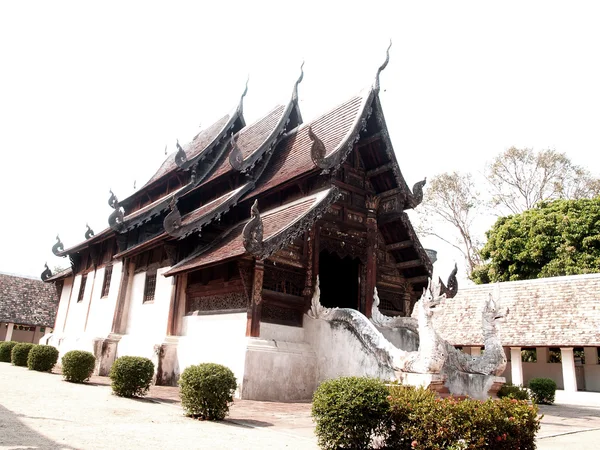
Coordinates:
216 257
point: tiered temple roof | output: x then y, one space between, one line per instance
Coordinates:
202 193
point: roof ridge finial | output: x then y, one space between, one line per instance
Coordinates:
240 108
383 66
298 81
180 156
89 232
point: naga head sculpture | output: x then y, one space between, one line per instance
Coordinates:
492 312
432 297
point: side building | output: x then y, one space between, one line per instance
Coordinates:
216 257
27 308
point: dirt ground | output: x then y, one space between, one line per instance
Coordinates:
40 410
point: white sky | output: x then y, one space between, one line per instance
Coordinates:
90 94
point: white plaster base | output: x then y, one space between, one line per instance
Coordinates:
476 386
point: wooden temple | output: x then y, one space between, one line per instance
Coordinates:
245 217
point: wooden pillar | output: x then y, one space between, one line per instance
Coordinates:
372 232
255 309
173 309
312 265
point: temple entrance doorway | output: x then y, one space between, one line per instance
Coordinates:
339 280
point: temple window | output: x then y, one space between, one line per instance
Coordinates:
150 287
529 355
106 282
554 355
81 288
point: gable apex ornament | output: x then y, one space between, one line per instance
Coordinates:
89 232
376 85
298 81
253 232
58 247
47 273
417 192
240 108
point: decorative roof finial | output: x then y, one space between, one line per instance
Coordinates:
113 201
317 150
89 232
417 192
253 232
236 159
180 156
58 247
240 107
47 273
298 81
166 150
134 183
383 66
173 220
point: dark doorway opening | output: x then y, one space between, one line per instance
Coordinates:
338 280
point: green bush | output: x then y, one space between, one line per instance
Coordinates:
542 390
42 358
419 420
511 391
207 390
19 353
78 366
349 411
131 376
5 350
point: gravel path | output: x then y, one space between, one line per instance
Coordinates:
41 410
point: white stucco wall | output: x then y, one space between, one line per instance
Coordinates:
63 304
77 311
102 309
146 322
216 338
281 332
340 353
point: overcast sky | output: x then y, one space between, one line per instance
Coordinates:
90 94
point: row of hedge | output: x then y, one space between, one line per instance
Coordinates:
355 412
540 390
36 357
206 389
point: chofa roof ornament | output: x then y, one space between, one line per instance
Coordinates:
383 66
451 286
47 273
89 232
240 108
58 247
298 81
115 220
253 232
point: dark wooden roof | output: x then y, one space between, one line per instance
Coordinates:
27 301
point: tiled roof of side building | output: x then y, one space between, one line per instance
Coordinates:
558 311
27 301
275 222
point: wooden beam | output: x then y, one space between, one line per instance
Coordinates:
419 279
399 245
369 140
391 192
379 170
409 264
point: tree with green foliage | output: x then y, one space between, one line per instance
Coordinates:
560 237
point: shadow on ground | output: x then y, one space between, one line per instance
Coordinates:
14 433
568 411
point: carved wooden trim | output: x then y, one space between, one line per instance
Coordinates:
409 264
254 312
399 245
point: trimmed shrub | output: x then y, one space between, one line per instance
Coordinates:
131 376
511 391
20 352
542 390
419 420
5 350
42 358
78 366
207 390
349 411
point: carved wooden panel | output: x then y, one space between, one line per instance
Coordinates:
286 281
275 313
232 300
